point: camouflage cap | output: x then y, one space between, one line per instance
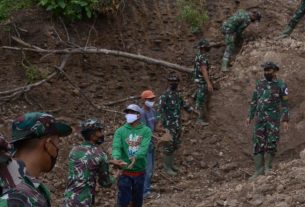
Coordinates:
91 125
203 44
37 125
270 65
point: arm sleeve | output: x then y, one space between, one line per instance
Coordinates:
104 177
253 104
284 103
117 145
160 108
141 153
186 107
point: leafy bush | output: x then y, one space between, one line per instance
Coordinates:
8 6
76 9
33 74
192 12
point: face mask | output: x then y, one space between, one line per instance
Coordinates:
100 140
174 86
149 104
268 76
130 118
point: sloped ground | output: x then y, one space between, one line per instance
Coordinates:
215 161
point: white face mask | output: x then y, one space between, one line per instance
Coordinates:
130 118
149 104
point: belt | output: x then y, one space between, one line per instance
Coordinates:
132 174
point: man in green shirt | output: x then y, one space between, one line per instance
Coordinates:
130 144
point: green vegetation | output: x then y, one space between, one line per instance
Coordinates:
193 13
9 6
33 74
77 9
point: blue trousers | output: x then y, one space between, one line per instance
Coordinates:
130 190
149 168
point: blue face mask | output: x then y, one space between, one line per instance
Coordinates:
149 104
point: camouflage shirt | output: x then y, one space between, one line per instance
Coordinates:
169 109
200 59
270 101
86 163
237 23
29 192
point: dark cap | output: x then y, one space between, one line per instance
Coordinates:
38 125
257 15
270 65
173 77
203 44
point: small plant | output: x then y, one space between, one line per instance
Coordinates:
9 6
192 12
32 74
76 9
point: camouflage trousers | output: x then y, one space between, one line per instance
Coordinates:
200 96
230 45
266 136
170 147
299 13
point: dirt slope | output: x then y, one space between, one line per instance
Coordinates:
214 159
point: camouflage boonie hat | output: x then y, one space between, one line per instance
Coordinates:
270 65
203 43
91 125
37 125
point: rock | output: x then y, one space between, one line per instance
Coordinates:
189 158
228 167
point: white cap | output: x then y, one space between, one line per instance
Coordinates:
133 107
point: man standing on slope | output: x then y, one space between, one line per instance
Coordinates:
233 28
270 106
169 115
130 144
201 79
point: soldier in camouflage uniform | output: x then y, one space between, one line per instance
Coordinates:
11 171
300 12
35 138
87 163
169 115
232 28
270 106
201 78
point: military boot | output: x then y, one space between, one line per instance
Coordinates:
224 65
287 31
168 165
268 163
259 166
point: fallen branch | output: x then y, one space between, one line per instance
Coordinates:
122 100
92 50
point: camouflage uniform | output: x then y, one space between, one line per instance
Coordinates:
300 12
270 105
22 189
200 59
169 114
232 29
86 163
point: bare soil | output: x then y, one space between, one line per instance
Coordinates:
215 161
